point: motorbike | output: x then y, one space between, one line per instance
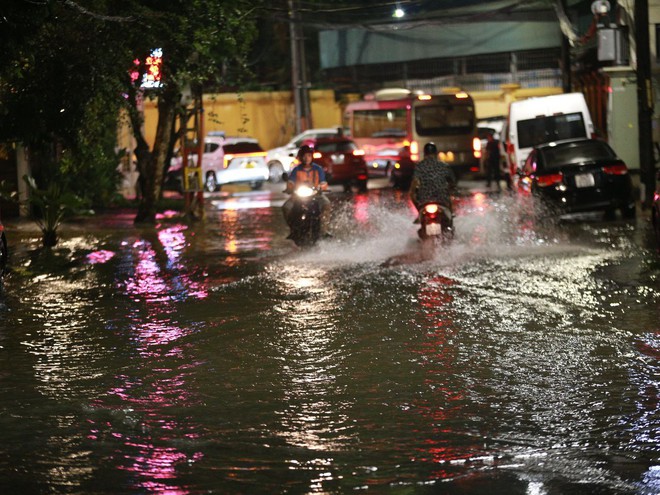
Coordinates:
435 222
305 217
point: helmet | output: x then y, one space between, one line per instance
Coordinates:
430 149
304 149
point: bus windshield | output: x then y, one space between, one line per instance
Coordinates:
444 119
379 123
551 128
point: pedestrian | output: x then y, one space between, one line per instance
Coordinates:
493 158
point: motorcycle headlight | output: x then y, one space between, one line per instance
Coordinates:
304 191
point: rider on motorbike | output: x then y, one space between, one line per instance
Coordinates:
311 174
433 181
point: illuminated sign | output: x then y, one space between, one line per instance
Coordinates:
154 70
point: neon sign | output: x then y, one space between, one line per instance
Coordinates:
153 70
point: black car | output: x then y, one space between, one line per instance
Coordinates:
579 175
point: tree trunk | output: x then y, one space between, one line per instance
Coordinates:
151 164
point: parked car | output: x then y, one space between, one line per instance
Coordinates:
579 175
655 212
226 160
281 159
342 161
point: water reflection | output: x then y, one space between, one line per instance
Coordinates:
644 425
147 396
205 358
314 411
443 402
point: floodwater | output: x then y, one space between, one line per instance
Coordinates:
216 357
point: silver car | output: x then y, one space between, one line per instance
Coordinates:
281 159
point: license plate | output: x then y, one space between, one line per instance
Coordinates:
584 180
433 229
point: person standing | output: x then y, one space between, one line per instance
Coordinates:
493 158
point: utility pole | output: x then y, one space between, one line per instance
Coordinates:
644 101
298 71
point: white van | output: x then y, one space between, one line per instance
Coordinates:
542 120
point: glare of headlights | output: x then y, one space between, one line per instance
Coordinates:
304 191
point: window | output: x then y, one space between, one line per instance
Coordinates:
444 119
539 130
210 147
242 148
380 123
336 147
581 152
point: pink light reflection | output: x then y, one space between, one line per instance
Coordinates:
99 257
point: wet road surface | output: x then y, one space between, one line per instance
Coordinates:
217 357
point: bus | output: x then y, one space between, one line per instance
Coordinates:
393 125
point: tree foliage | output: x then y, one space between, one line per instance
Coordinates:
64 74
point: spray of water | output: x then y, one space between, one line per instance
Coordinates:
485 227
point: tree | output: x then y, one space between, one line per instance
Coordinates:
59 95
199 39
60 59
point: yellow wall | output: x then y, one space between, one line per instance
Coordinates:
270 116
496 103
267 116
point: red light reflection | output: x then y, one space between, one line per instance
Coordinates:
443 402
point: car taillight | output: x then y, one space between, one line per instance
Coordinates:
616 169
549 180
358 152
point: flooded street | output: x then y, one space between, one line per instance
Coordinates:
216 357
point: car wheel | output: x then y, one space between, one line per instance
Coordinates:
629 211
256 185
3 253
610 214
210 183
275 172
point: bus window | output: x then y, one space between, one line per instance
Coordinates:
435 120
379 123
